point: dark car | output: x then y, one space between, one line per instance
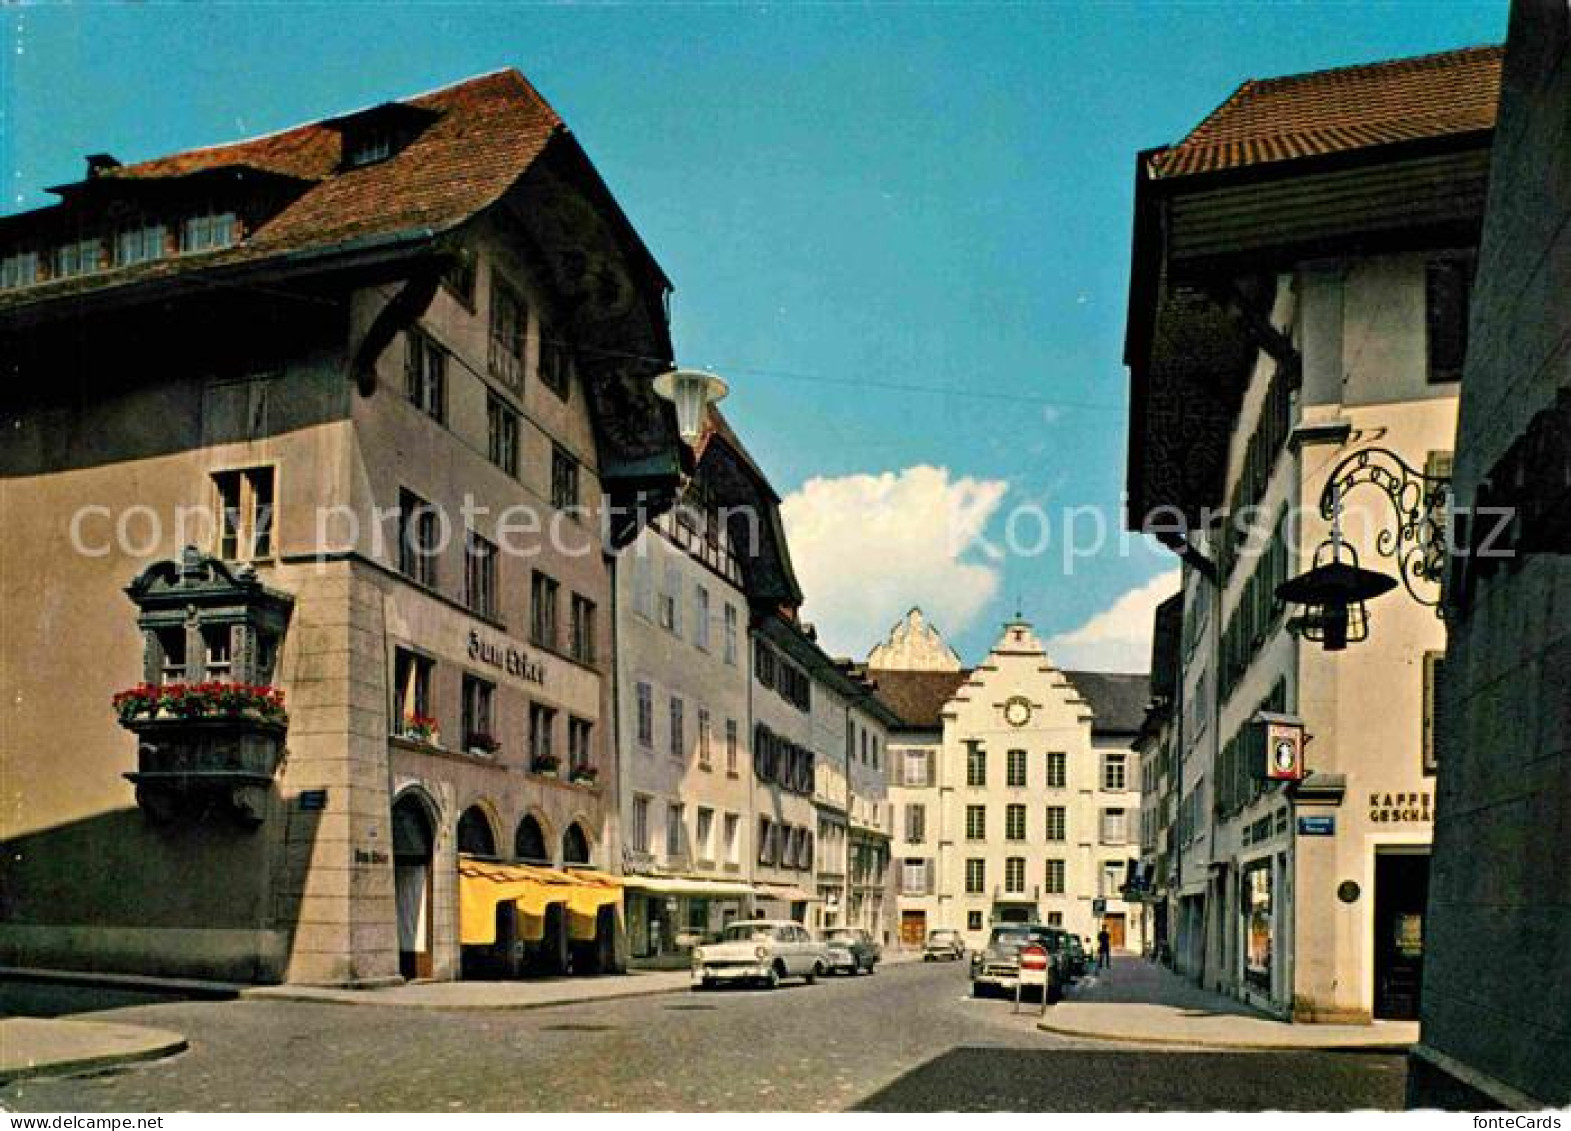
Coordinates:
1072 954
1078 957
942 945
851 950
997 966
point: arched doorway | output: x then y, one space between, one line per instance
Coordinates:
475 836
575 845
529 842
413 837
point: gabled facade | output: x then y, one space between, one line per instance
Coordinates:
378 363
1301 268
1022 803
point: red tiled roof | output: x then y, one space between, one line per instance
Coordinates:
1341 110
918 697
486 133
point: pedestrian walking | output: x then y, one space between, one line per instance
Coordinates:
1104 949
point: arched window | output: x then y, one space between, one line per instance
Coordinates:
475 837
529 842
575 845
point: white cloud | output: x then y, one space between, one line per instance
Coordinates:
1117 639
868 547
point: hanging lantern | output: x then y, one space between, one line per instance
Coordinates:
692 391
1333 593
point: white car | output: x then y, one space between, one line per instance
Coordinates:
762 951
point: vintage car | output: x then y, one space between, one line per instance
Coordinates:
996 968
943 945
1077 960
851 950
760 952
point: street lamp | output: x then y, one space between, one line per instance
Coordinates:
1333 591
692 391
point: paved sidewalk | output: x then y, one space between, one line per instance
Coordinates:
1138 1002
55 1046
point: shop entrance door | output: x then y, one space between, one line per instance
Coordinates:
1115 927
913 928
412 842
1401 892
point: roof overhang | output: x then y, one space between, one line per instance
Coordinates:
1201 240
166 281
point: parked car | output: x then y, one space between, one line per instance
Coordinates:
851 950
997 966
1078 960
943 945
762 952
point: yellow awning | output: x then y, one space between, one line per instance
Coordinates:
684 885
483 885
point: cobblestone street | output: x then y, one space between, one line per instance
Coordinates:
908 1038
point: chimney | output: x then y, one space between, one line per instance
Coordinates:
99 163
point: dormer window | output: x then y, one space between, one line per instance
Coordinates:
375 135
367 147
207 232
140 244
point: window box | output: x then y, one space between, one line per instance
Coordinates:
545 765
421 728
584 775
481 743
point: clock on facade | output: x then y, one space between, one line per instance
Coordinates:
1017 711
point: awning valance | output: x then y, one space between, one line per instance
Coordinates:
682 885
784 892
482 886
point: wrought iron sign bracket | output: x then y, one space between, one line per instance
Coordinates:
1418 540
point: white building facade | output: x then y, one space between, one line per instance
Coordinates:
1018 806
1341 363
686 761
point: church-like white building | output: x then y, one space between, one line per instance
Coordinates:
1014 785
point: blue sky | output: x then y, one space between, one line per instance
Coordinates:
854 202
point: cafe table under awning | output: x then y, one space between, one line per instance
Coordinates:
483 886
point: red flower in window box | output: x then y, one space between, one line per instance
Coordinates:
207 700
421 728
